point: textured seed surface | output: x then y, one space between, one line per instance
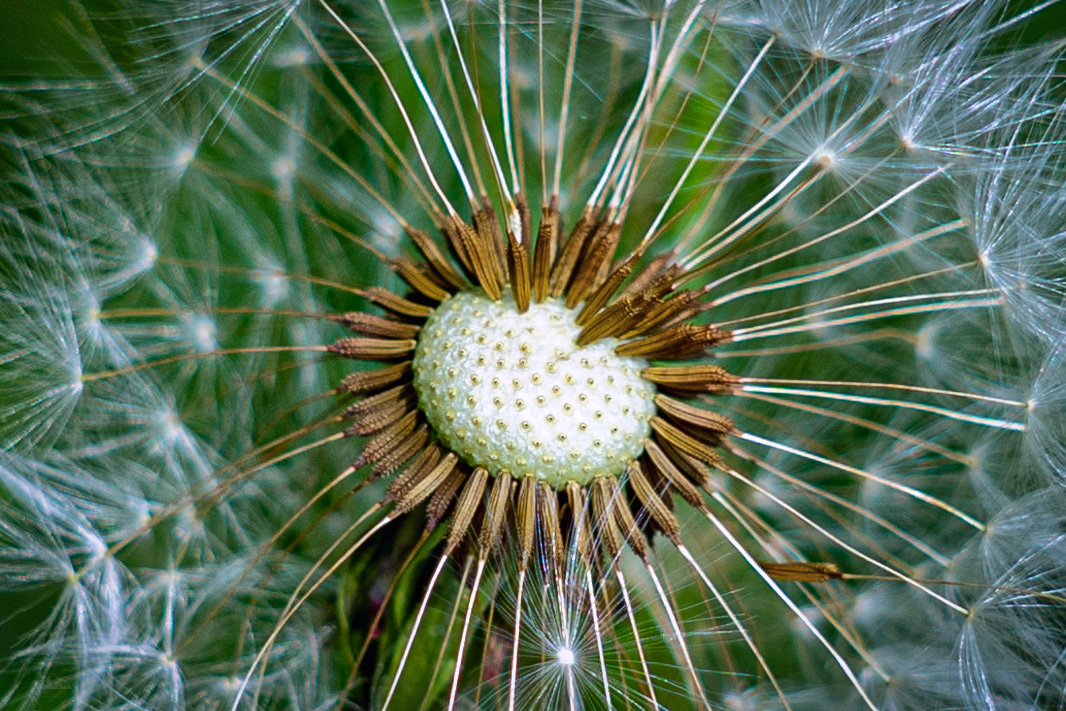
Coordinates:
511 392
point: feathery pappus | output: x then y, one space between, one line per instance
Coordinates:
419 354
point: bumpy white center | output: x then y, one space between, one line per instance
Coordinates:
511 391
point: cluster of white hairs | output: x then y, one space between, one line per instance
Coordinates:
868 197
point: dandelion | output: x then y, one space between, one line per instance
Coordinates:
411 355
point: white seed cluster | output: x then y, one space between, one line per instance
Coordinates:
511 391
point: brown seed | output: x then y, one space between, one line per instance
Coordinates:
442 498
423 463
435 258
518 267
648 275
379 418
418 279
603 294
582 533
426 483
400 393
652 502
682 341
450 228
686 443
408 447
563 268
368 381
370 325
628 525
381 444
603 505
372 348
397 304
496 513
616 318
548 504
686 414
666 313
670 471
526 519
482 256
468 504
544 255
596 256
487 225
690 378
802 572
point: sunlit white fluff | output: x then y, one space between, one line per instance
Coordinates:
127 492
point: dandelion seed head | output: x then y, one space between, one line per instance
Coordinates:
293 57
201 332
275 287
283 169
147 256
826 158
838 222
510 392
171 429
925 341
1045 412
183 158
